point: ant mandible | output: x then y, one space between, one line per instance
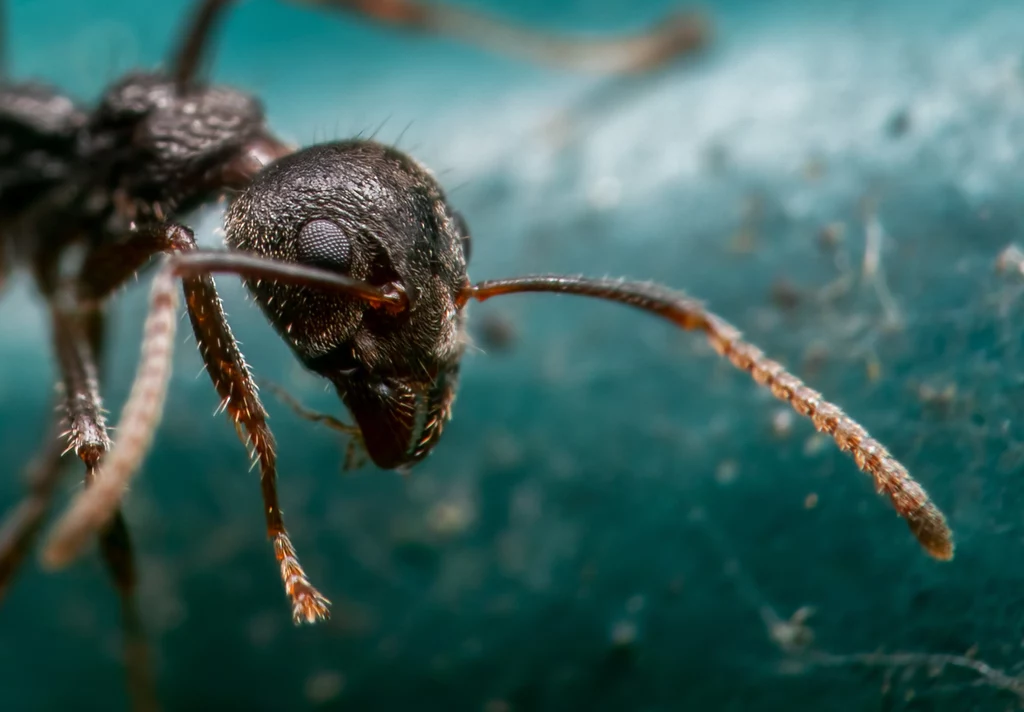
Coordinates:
359 263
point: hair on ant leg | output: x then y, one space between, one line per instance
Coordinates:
142 410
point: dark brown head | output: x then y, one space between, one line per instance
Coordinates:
371 213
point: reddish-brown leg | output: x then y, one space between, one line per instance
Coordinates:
233 381
195 42
676 36
231 378
78 338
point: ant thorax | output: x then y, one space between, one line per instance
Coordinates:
166 150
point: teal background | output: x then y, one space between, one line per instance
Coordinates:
607 480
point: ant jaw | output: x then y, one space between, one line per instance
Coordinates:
401 421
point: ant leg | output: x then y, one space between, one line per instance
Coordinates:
312 416
675 36
233 381
78 337
910 500
231 377
119 558
87 425
107 268
21 526
354 452
186 64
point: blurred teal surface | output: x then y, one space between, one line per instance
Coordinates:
612 514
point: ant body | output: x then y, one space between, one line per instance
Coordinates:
351 249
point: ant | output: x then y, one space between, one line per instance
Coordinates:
89 195
350 248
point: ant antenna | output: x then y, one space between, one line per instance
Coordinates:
910 500
193 49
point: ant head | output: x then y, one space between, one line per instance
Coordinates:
184 143
368 212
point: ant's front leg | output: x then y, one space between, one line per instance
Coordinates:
105 270
233 381
224 363
111 266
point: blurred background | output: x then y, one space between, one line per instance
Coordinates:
615 519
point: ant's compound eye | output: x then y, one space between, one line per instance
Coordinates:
463 229
322 243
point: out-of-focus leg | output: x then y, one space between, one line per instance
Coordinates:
675 36
77 337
